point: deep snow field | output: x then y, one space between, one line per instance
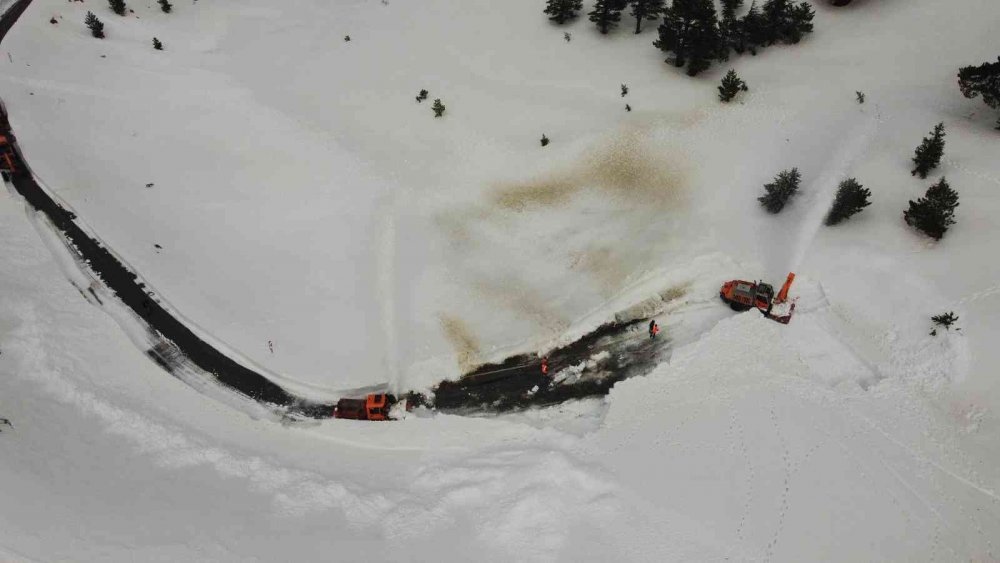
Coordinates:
302 196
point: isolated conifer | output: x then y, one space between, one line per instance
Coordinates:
438 108
421 96
928 155
157 45
851 198
117 6
731 85
545 140
934 212
982 80
860 96
96 26
945 319
778 192
561 11
606 14
645 10
690 30
166 6
624 90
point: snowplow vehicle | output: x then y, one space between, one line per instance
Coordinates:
742 295
373 407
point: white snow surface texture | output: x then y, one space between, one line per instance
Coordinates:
302 196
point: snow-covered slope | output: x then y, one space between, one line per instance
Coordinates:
302 196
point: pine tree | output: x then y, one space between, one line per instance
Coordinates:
545 140
731 85
96 26
606 14
157 45
690 30
928 155
787 22
729 26
421 96
945 320
778 192
624 90
561 11
851 198
752 31
438 108
166 6
645 10
982 80
860 96
934 212
117 6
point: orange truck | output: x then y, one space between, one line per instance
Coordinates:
373 407
743 295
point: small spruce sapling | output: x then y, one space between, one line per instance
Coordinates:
945 320
928 155
860 96
347 38
421 96
731 85
778 192
851 198
438 108
567 36
53 21
96 26
628 107
157 45
117 6
624 90
935 212
166 6
545 140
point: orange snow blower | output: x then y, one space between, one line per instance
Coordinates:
743 295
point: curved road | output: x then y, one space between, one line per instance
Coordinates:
123 283
622 349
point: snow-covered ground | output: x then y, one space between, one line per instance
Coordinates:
302 196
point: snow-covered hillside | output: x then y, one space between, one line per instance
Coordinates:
302 196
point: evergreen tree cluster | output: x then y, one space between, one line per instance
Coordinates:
928 155
157 44
692 31
778 192
851 198
117 6
166 6
935 212
982 80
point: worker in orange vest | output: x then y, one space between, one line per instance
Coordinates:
654 329
545 366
